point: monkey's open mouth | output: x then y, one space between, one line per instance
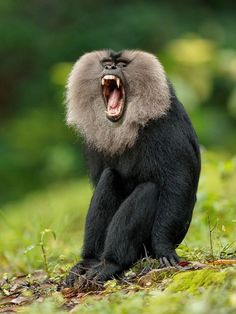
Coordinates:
114 96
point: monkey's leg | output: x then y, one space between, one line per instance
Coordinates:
105 201
171 224
128 232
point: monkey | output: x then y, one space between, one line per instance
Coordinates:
143 158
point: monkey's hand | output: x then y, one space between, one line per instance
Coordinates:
78 270
103 271
168 258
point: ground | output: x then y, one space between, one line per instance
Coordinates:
41 237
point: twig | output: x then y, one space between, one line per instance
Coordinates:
210 236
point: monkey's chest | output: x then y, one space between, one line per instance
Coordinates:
134 168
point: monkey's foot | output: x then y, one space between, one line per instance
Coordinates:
168 259
76 271
103 271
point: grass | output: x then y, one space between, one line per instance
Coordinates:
42 234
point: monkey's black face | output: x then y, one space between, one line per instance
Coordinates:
114 86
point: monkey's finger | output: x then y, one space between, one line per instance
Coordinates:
166 262
161 262
91 274
173 261
100 278
68 282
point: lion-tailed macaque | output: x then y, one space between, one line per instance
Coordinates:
143 158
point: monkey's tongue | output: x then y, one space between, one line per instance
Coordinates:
114 99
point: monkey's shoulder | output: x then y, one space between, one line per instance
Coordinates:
174 129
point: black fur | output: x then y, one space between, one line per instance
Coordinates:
143 199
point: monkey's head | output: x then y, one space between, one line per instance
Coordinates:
110 95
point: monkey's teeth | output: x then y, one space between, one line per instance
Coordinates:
113 112
109 77
118 82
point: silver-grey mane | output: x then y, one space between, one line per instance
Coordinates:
148 98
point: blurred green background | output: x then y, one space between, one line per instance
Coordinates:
41 39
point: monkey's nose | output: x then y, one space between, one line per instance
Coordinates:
110 66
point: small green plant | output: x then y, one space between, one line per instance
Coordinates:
42 245
43 248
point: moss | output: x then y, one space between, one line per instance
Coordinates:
194 281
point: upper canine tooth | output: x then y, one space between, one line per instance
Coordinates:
103 81
118 82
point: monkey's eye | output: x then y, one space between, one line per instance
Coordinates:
107 62
121 64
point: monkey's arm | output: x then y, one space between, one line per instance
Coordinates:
179 173
178 166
